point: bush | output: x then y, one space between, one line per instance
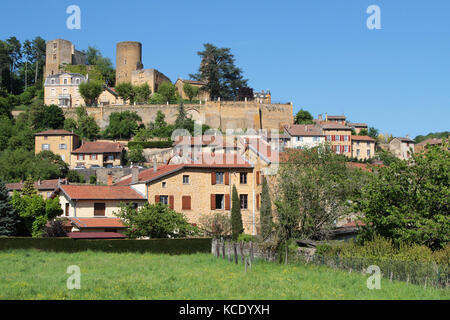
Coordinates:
55 229
151 144
245 237
74 176
216 225
92 179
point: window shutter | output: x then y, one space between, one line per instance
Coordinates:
342 138
156 199
213 178
257 202
257 177
227 178
227 202
333 138
213 202
186 202
171 202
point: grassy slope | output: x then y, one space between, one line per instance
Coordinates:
31 274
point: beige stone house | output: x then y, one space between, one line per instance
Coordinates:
98 153
304 135
202 95
60 142
203 187
401 147
363 147
339 136
109 96
44 188
62 90
150 76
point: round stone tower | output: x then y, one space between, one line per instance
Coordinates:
128 59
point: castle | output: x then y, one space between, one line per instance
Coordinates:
61 88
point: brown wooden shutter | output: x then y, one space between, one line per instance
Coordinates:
213 178
156 199
257 178
227 202
99 209
227 178
213 202
257 202
171 202
186 203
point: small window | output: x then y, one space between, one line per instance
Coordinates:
55 45
53 81
220 201
219 177
338 137
185 179
99 209
65 81
164 200
80 157
368 153
54 57
357 152
45 147
63 146
110 158
93 157
163 184
243 178
244 201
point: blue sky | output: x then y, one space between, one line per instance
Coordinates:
318 54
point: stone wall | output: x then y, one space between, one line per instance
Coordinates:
223 115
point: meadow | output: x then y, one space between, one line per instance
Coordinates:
34 274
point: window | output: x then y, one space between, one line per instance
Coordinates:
345 148
368 153
62 146
45 147
53 82
357 143
220 201
357 152
65 81
63 157
77 81
345 138
337 137
186 202
163 184
244 201
328 138
55 45
93 157
219 177
164 200
185 179
315 139
110 158
80 157
54 57
243 178
300 139
99 209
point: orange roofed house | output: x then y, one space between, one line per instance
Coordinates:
103 154
363 147
60 142
203 187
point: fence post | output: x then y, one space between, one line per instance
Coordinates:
235 253
217 249
245 263
223 249
252 257
241 246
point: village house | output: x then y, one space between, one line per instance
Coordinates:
339 136
401 147
202 95
60 142
62 90
304 136
363 147
44 188
97 153
109 96
424 145
358 127
203 187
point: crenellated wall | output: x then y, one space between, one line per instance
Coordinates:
223 115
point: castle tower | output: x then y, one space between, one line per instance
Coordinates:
58 52
128 59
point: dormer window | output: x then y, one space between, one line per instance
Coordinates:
65 81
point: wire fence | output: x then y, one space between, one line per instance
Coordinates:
411 272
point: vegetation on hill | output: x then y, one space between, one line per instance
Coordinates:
437 135
303 117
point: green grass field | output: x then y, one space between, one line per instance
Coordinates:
33 274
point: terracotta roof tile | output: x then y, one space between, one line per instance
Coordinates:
304 130
39 185
363 138
55 133
99 147
102 222
95 235
86 192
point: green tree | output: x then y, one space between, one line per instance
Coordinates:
122 125
303 117
190 91
142 93
409 201
155 221
167 90
373 133
53 117
9 220
90 91
126 91
86 127
266 210
135 154
236 216
183 121
223 79
28 187
103 64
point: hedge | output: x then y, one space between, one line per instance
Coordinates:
169 246
151 144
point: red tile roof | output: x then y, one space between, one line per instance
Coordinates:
95 235
304 130
363 138
333 126
100 222
55 133
205 160
430 141
87 192
99 147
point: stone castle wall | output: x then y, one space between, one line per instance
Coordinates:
223 115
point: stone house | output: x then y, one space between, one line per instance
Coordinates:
44 188
61 89
202 95
98 153
401 147
304 135
363 147
60 142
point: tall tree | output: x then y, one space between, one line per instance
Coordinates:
9 220
126 92
122 125
104 65
218 70
266 210
168 91
236 216
303 117
90 91
190 91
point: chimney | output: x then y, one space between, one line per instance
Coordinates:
110 179
326 116
134 174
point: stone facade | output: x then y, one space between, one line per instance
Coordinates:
59 52
59 142
150 76
62 90
223 115
202 95
128 59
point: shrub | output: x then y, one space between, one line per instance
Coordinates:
216 225
151 144
92 179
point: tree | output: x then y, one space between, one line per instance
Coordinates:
190 91
216 225
103 64
168 92
86 127
236 216
266 210
90 91
245 92
183 121
142 93
53 117
373 133
223 79
303 117
28 187
122 125
155 221
409 201
9 220
126 91
135 154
